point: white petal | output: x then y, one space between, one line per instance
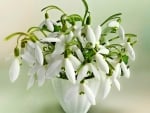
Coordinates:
75 62
82 40
107 87
59 46
131 52
70 71
49 24
50 39
122 33
90 35
114 24
31 44
116 72
14 70
102 63
28 58
117 84
69 37
41 76
39 55
89 94
78 53
98 32
54 67
33 69
125 70
30 82
82 72
94 70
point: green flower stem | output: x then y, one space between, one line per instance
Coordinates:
50 8
111 17
86 11
34 29
15 34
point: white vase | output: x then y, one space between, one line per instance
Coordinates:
69 97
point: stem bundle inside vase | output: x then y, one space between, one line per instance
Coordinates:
71 49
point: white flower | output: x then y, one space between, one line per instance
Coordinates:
102 63
88 92
95 71
130 51
49 24
14 70
125 70
106 87
114 24
70 72
39 54
90 36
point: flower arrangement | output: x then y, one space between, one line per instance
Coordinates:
70 49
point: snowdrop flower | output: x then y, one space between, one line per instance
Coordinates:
89 94
39 54
125 70
70 72
14 70
130 51
102 63
49 25
90 35
114 24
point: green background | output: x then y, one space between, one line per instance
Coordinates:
18 15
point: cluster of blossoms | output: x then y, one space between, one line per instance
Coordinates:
71 49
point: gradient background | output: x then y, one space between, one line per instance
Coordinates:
18 15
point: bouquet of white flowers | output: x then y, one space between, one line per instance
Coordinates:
71 50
